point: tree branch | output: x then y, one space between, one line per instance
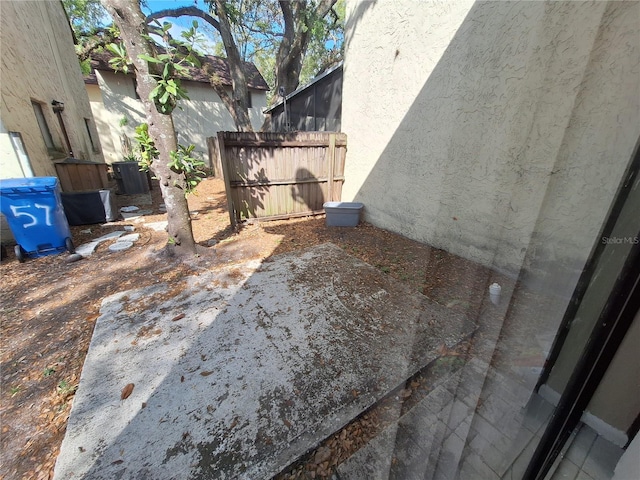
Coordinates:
287 15
185 12
236 69
264 32
330 61
100 39
324 6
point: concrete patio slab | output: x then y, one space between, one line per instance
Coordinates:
246 369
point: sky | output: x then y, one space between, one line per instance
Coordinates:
155 5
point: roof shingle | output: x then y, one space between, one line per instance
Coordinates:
100 61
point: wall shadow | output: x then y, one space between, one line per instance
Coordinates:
483 161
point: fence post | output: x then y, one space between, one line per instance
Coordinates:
227 183
332 162
214 156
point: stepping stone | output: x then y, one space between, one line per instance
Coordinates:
132 237
157 226
119 246
87 249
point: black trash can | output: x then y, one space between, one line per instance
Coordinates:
130 179
87 208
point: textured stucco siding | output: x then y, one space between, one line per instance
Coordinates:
38 62
107 125
117 111
498 131
202 116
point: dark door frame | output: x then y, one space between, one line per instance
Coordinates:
617 315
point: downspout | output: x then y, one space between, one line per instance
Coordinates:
58 108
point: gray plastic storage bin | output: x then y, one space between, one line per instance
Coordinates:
343 214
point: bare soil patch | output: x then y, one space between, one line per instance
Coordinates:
49 308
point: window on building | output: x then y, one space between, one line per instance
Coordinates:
44 126
249 101
21 152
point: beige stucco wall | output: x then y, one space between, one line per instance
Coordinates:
38 63
627 466
497 131
104 122
112 101
202 116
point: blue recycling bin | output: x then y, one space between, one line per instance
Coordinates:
35 215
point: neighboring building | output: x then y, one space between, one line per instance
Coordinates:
118 109
315 107
501 132
39 66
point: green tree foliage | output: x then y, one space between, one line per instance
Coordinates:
89 22
258 27
290 41
171 64
85 16
326 46
276 35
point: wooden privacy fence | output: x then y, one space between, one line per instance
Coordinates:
271 175
81 175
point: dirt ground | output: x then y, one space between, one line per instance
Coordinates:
49 308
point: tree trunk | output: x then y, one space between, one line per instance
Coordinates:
240 91
238 102
133 28
292 47
298 21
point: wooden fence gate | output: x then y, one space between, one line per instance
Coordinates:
271 175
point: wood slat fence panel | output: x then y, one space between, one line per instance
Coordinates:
81 176
272 175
